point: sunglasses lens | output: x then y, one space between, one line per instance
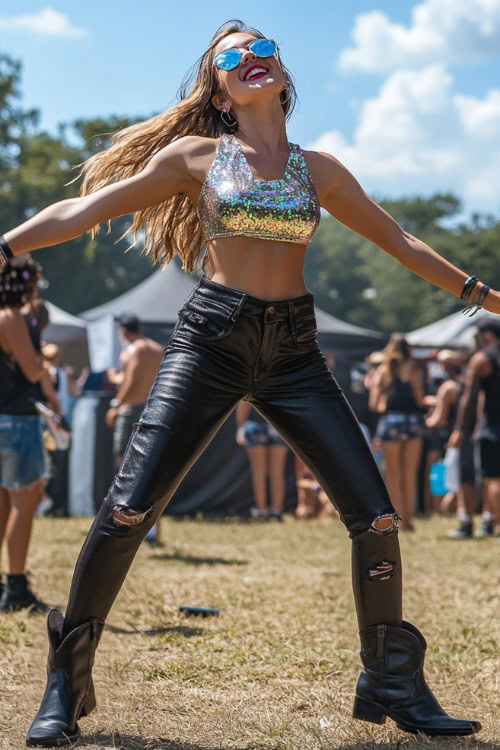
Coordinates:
263 47
228 59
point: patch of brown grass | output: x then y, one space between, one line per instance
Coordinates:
277 668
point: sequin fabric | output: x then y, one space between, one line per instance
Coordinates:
233 202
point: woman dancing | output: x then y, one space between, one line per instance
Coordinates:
217 169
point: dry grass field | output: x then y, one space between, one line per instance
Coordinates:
278 667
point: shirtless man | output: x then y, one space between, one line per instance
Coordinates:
139 362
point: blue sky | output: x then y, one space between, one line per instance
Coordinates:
406 94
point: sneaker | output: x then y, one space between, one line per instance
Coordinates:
17 595
276 515
259 514
486 529
464 531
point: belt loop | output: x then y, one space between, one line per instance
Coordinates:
238 307
291 314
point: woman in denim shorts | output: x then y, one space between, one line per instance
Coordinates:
267 453
397 393
217 171
22 455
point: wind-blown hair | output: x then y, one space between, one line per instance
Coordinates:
171 227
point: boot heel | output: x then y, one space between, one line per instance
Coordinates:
88 706
368 711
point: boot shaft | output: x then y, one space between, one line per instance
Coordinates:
398 651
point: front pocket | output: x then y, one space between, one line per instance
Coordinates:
305 333
207 319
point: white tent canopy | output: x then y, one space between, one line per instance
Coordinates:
63 327
159 298
456 330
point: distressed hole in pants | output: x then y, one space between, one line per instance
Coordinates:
386 524
124 516
382 571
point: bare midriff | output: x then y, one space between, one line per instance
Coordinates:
266 269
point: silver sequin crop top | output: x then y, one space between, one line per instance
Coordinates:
233 202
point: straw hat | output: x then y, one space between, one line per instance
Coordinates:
448 357
50 351
375 358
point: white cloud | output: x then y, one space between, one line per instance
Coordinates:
480 117
48 22
416 136
440 31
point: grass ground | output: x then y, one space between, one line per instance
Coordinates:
278 667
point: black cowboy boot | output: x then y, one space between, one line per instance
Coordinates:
16 594
69 694
393 684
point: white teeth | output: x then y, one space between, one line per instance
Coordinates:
253 72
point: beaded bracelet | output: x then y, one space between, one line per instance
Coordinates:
477 302
5 252
469 285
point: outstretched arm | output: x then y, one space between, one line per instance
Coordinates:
163 177
343 197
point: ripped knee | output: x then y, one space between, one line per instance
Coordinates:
122 515
385 524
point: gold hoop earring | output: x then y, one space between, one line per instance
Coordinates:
230 123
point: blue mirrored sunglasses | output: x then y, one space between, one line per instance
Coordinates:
231 58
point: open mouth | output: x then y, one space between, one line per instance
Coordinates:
255 72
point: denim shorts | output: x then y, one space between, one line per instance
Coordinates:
399 427
22 454
260 433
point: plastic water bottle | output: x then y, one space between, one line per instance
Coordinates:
452 463
437 478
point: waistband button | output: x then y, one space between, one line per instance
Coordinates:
271 309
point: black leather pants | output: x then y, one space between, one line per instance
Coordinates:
228 346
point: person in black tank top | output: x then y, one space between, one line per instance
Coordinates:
397 394
217 172
483 374
22 457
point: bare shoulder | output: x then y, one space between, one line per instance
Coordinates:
145 347
327 172
479 364
11 319
188 150
448 387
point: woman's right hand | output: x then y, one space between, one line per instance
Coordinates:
240 435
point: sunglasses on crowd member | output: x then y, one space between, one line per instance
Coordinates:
231 58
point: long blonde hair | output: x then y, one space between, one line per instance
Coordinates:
171 227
